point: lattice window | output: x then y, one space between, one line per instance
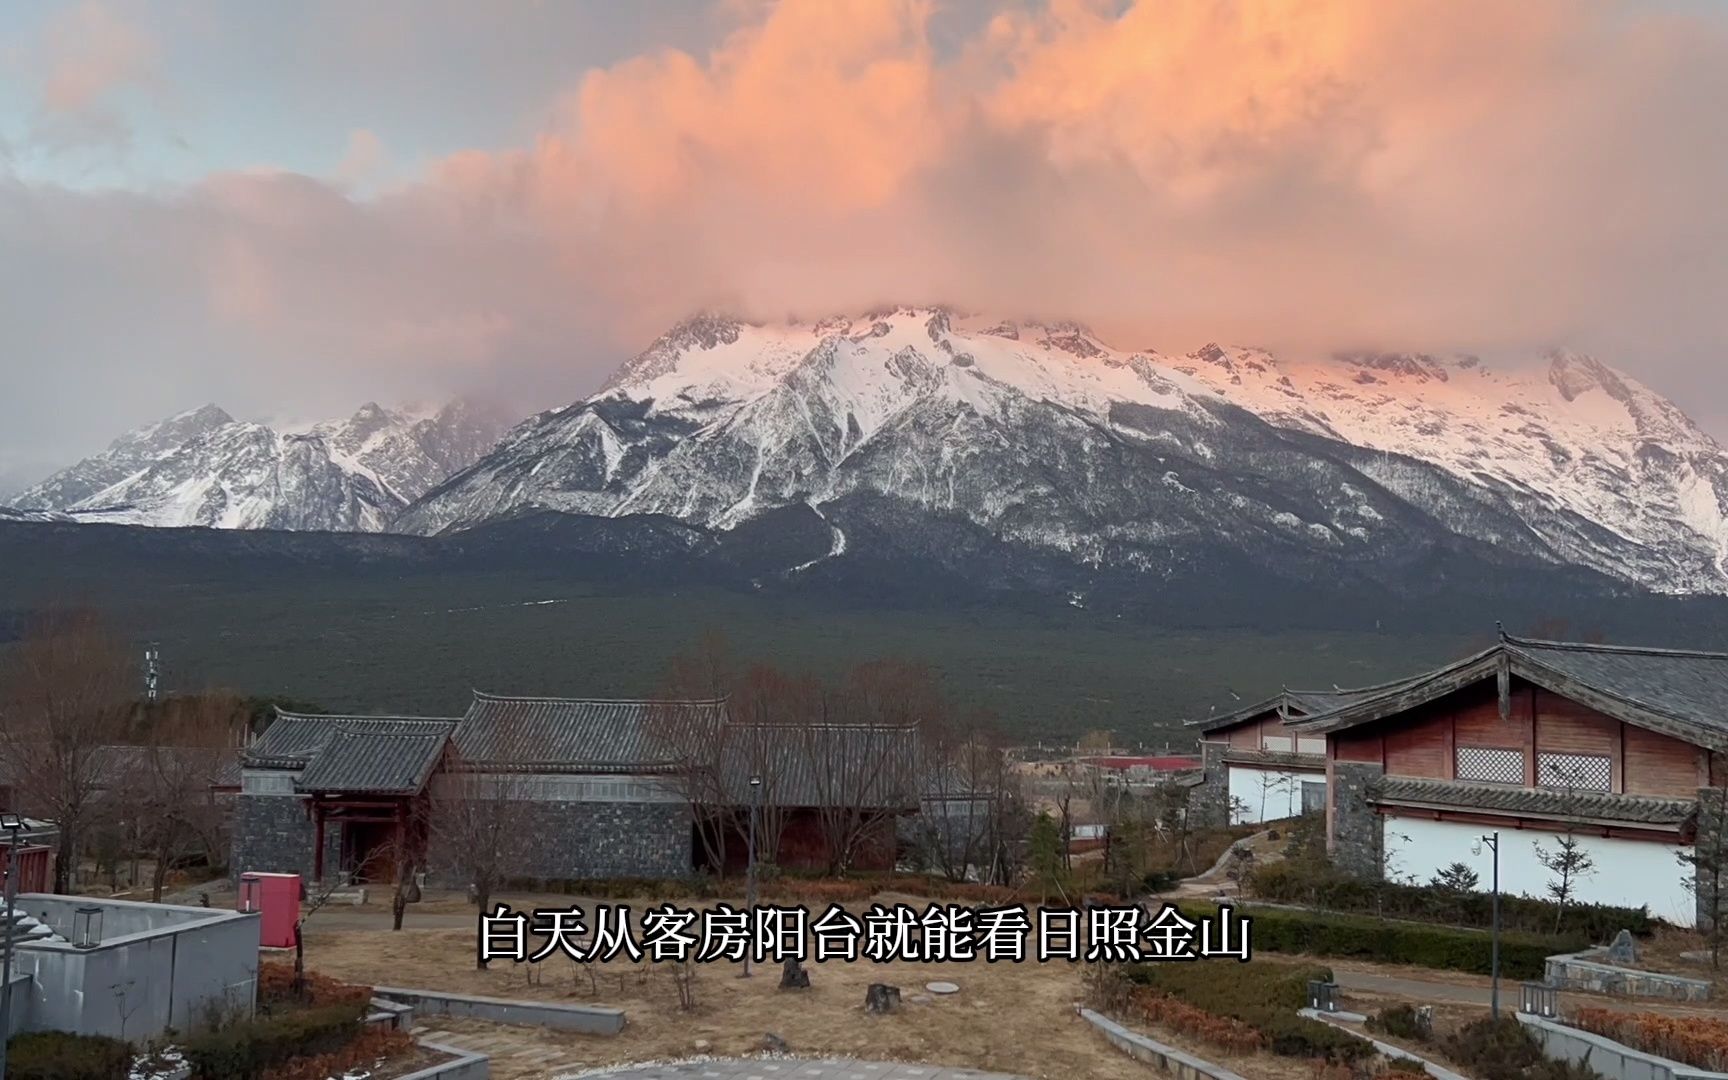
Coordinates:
1589 772
1490 764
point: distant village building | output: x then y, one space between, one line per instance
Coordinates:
1257 767
1619 747
596 788
1141 768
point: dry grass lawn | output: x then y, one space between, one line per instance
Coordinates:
1012 1018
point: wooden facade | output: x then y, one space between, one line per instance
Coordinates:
1425 742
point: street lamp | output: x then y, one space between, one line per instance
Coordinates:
750 864
13 824
1493 841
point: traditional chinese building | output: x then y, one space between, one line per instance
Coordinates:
593 788
1256 766
1617 747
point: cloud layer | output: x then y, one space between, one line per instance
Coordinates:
1310 174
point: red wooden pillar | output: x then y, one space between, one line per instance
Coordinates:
317 842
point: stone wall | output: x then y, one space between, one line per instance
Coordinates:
1357 841
571 841
1209 804
1710 844
273 834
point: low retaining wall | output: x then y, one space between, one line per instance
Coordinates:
585 1019
1614 1060
1438 1072
1586 971
467 1065
1155 1053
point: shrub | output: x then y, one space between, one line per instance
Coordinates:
368 1048
1322 886
1262 996
1696 1040
1522 956
1503 1049
1399 1021
245 1050
60 1055
276 986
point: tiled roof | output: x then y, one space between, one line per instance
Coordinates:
822 765
1689 686
293 739
1581 806
380 762
1288 759
1672 691
575 734
1295 704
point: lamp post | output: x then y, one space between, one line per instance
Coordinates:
13 824
1493 841
750 864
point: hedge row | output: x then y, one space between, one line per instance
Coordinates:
245 1050
1522 956
1263 996
1292 883
59 1055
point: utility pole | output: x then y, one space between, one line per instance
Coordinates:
750 865
1493 841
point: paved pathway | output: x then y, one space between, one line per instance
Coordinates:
792 1069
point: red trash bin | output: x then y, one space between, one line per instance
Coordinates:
276 898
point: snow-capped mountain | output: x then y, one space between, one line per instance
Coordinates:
1044 438
203 467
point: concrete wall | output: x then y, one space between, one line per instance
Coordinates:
1154 1053
587 1019
1260 794
1628 873
1615 1061
157 967
21 998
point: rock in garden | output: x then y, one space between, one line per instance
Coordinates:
881 998
703 1046
942 987
793 976
774 1044
1623 950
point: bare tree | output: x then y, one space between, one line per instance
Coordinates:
165 784
860 752
480 827
65 693
696 741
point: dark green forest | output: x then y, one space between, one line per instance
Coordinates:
391 624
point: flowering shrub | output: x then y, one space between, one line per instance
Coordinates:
1696 1040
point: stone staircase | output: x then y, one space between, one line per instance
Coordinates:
22 928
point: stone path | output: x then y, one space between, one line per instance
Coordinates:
793 1069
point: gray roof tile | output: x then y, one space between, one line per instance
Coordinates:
1594 806
573 734
293 739
379 762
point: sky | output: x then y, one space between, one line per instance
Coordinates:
290 209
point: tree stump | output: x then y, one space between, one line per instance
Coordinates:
881 998
793 976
